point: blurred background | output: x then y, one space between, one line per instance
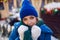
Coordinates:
48 10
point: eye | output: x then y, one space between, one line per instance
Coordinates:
25 19
31 17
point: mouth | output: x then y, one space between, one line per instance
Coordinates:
31 24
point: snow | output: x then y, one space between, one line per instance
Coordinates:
52 5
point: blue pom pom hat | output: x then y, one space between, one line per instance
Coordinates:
27 9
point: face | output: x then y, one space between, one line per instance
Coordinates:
30 20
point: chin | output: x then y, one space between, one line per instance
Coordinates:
30 25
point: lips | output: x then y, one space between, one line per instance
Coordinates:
31 24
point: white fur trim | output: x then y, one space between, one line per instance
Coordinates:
21 31
36 32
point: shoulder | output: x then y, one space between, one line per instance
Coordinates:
17 24
14 33
46 29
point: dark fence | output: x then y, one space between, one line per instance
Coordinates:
53 21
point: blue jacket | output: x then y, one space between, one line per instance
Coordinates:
45 34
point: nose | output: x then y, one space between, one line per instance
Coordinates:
29 22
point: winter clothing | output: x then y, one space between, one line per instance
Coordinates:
25 32
45 32
27 9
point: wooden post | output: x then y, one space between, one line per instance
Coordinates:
15 3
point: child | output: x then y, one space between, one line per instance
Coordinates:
30 27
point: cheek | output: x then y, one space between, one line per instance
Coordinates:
34 21
25 22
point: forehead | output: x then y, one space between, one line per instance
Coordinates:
29 16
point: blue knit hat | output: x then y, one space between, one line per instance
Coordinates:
27 9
